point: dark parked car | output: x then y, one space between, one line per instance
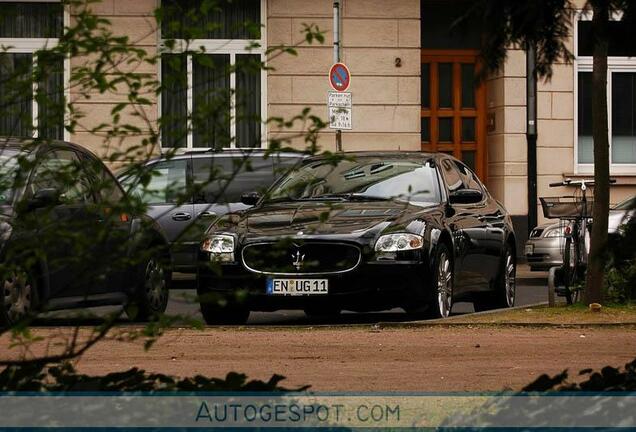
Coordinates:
368 231
189 191
65 240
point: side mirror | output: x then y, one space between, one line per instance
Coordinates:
250 198
44 198
465 196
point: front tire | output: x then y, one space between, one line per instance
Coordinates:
151 299
19 297
505 286
442 302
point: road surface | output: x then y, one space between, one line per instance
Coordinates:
531 289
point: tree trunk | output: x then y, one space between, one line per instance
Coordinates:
596 262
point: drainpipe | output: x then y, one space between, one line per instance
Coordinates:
336 56
531 134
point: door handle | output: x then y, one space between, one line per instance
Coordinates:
181 216
206 215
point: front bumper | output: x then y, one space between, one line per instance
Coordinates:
545 253
378 285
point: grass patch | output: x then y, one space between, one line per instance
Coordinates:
560 314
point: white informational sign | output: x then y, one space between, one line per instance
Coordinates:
340 107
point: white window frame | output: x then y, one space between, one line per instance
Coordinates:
232 47
584 64
31 46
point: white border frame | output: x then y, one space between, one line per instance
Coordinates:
585 64
231 47
30 46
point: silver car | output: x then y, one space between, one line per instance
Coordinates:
545 246
620 215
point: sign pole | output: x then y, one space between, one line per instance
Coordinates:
336 56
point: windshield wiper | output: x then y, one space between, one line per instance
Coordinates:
352 196
363 197
325 197
336 197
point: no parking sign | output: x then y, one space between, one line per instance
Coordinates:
339 77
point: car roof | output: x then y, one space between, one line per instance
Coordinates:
391 154
206 153
210 153
22 143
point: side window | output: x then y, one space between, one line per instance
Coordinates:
452 175
469 178
225 179
167 184
110 191
62 170
105 184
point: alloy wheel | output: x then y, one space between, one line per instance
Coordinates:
510 280
444 285
155 285
17 296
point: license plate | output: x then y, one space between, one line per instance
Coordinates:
529 249
297 287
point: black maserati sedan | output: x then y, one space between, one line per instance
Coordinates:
361 232
70 237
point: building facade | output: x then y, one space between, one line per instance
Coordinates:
412 87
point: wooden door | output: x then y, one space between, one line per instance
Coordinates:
453 116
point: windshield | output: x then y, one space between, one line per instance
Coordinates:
628 204
362 178
8 170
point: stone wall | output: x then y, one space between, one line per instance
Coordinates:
134 19
386 98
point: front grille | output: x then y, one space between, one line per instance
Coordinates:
301 258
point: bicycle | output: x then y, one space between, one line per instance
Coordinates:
576 213
576 210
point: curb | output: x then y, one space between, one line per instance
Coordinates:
435 323
458 321
455 319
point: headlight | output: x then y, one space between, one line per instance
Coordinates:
221 247
556 232
399 242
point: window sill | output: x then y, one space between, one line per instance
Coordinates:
621 179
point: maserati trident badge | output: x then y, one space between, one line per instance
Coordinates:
298 260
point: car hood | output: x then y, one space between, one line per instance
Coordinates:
354 219
617 218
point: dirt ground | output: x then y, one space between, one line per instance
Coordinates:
372 359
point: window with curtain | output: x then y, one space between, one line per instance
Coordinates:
211 74
31 81
621 97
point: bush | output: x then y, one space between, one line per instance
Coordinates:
607 379
621 271
63 377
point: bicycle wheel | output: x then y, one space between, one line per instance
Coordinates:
578 271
